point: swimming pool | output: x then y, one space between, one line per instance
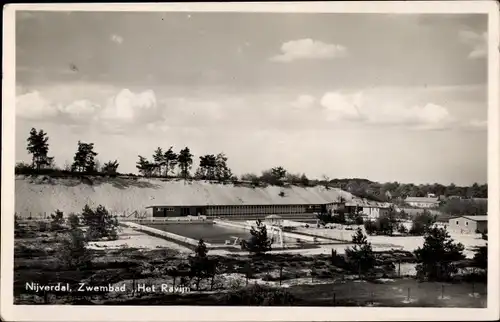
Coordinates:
209 232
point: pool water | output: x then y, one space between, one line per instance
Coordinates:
209 232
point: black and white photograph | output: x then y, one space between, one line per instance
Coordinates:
228 156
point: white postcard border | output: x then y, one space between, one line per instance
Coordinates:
10 312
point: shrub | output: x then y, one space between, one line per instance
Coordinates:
100 222
57 221
358 219
258 295
422 222
73 221
370 227
42 226
200 266
337 260
73 252
110 167
24 168
402 229
481 257
19 230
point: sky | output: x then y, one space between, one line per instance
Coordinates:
399 97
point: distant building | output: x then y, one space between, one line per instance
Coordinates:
370 209
480 199
422 202
468 224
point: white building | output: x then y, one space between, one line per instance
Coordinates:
423 202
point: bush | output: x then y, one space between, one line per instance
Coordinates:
481 257
370 227
24 168
421 223
358 220
73 221
42 226
402 229
200 266
57 221
73 252
258 295
100 222
19 230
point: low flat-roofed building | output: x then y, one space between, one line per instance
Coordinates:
468 224
224 200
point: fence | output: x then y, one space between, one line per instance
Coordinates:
337 291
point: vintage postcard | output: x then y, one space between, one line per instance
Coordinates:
250 161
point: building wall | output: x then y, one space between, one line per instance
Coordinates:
462 225
422 204
371 212
375 212
482 226
178 211
263 210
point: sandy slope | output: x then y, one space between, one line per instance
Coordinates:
126 195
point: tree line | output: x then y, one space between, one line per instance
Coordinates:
84 160
392 191
164 163
168 163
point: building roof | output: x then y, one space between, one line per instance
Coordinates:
199 193
474 218
422 199
477 218
357 202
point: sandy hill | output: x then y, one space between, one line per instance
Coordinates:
43 194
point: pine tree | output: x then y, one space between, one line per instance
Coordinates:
185 161
144 166
170 158
222 171
38 147
437 256
84 159
360 256
159 161
259 242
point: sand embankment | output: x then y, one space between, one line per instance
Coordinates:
43 194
